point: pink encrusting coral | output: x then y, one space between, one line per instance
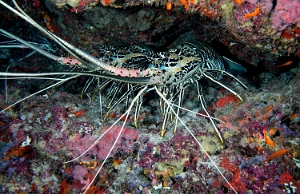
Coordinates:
79 144
81 174
266 6
287 12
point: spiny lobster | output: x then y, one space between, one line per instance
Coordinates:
167 73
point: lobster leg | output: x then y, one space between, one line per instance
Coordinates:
181 94
194 137
201 99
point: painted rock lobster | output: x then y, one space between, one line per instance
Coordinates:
142 70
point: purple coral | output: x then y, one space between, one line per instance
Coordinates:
79 144
286 12
81 174
59 116
266 6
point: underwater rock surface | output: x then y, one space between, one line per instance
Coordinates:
261 134
260 154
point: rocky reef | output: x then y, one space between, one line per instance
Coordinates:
261 134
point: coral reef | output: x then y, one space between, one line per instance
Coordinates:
261 138
249 28
286 13
261 134
261 33
79 144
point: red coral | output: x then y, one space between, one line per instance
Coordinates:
287 178
217 184
226 99
236 182
64 188
288 34
80 113
17 152
33 188
227 165
68 171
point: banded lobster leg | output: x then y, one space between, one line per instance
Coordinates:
177 97
173 94
169 106
98 64
116 100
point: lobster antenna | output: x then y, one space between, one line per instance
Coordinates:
58 83
126 114
27 18
194 137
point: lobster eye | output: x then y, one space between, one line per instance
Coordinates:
162 67
165 60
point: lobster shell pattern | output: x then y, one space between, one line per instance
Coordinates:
184 63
